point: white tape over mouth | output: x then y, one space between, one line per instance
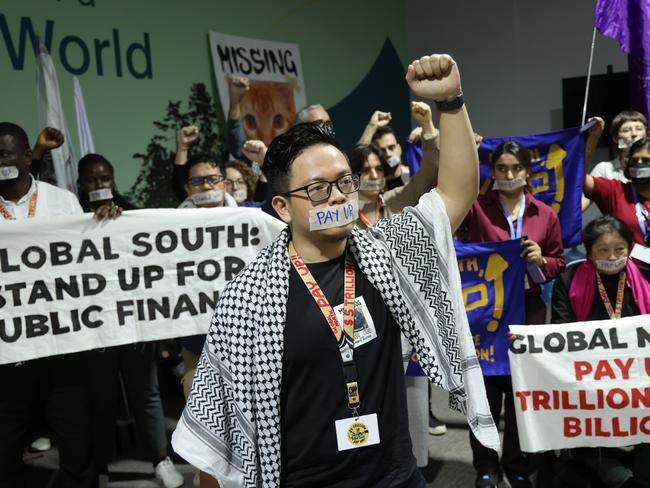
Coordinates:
239 195
101 194
372 185
393 161
611 266
8 173
509 184
642 172
336 216
207 197
627 143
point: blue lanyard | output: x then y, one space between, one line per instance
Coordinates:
640 213
520 218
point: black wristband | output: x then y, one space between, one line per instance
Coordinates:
450 105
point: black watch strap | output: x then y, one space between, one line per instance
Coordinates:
453 104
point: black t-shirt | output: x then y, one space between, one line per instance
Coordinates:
314 394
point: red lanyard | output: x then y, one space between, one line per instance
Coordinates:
366 220
30 212
619 296
345 335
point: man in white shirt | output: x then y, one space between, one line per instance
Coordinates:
54 383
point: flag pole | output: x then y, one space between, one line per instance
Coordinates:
591 60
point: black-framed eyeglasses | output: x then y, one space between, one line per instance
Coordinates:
212 180
319 191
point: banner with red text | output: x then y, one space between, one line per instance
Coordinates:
584 384
70 284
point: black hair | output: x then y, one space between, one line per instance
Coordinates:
605 225
92 158
207 158
15 131
643 143
382 131
285 148
360 153
517 150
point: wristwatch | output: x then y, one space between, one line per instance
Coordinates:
450 105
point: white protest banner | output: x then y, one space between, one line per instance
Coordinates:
584 384
70 284
277 88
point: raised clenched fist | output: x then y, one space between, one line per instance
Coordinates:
255 151
421 112
237 87
435 77
50 138
187 136
380 119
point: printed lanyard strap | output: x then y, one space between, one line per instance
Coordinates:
520 218
344 335
30 212
613 314
641 213
378 209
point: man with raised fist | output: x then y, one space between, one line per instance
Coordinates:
301 381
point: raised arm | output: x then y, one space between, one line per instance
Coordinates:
377 120
49 138
238 86
425 179
592 141
436 77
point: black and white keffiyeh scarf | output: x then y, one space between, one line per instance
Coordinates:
230 427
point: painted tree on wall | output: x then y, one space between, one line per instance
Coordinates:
153 186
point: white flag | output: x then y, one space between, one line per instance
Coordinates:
50 114
86 144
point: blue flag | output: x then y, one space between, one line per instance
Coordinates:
557 176
492 276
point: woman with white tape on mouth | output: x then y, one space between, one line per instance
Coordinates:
510 211
135 363
607 285
629 202
241 181
369 163
96 187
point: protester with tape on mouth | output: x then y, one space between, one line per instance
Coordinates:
369 162
206 184
56 385
135 363
295 406
386 140
627 127
510 211
381 134
578 294
607 285
241 181
628 202
96 186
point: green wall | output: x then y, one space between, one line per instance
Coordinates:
339 42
